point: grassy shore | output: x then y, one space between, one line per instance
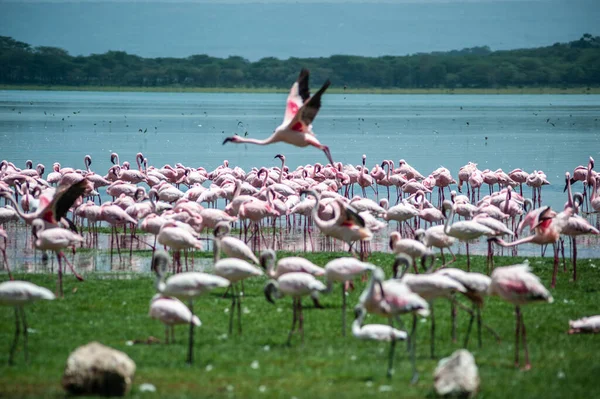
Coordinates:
176 89
112 308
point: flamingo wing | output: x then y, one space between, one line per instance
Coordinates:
307 113
299 93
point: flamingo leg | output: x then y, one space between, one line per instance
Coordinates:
172 334
190 357
432 343
294 319
478 310
413 350
11 356
524 335
390 369
25 338
166 334
453 318
574 259
555 272
232 310
71 267
239 309
468 258
343 310
301 320
60 282
466 343
6 261
517 335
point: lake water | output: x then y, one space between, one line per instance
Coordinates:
554 133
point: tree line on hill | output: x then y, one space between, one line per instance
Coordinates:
572 64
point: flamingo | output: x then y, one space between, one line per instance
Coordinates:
413 248
547 226
301 110
175 235
477 286
295 285
186 286
3 250
344 270
235 270
231 246
585 325
19 294
517 285
463 230
435 237
377 332
576 225
171 311
55 239
346 224
390 299
429 287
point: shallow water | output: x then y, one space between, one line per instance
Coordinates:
554 133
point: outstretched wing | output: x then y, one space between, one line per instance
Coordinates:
65 197
307 113
298 95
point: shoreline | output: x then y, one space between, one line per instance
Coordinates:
265 90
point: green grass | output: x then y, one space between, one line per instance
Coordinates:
336 90
112 309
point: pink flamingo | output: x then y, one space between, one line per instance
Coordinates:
171 311
56 239
301 110
177 236
517 285
548 225
576 225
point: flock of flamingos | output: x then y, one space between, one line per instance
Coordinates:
181 204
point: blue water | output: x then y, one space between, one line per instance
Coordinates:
428 131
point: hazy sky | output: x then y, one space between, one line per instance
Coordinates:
308 28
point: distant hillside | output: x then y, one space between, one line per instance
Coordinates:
573 64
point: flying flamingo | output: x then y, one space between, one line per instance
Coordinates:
344 270
171 311
377 332
300 111
19 294
517 285
295 285
186 286
56 239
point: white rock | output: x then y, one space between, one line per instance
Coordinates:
457 374
98 370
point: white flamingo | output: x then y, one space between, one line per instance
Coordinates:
171 311
185 286
19 294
